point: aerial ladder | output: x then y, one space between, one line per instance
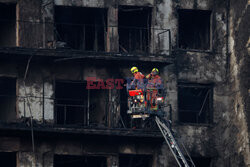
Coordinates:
173 145
142 105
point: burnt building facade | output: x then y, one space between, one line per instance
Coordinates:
50 48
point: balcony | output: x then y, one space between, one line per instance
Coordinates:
70 41
77 111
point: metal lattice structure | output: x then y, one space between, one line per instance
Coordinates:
173 145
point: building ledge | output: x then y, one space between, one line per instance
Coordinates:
69 54
19 129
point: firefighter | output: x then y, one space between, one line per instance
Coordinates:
138 84
138 78
153 86
154 80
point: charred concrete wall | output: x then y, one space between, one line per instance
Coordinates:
46 149
210 67
29 16
39 86
39 89
36 17
234 122
197 66
224 65
37 92
230 106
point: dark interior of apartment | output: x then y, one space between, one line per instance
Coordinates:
7 25
7 99
79 106
134 28
129 160
79 161
8 159
194 29
195 103
81 28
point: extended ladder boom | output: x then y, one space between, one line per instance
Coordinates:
175 149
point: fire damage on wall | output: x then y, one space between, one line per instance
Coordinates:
64 66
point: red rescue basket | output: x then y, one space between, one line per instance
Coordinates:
135 92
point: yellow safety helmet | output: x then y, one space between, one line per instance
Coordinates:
155 71
134 70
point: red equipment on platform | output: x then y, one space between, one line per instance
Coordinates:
135 92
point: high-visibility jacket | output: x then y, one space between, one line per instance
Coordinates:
138 75
154 81
138 79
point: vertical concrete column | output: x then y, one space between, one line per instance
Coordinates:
29 24
26 159
170 83
153 35
112 44
38 159
113 161
115 112
47 11
48 159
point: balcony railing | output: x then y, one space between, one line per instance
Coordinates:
67 114
122 39
86 37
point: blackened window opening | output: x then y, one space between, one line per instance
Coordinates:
134 29
98 101
7 25
130 160
77 105
202 161
195 103
194 29
81 28
71 103
125 118
8 159
79 161
7 99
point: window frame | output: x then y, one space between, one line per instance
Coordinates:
210 48
210 86
95 47
86 120
149 29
